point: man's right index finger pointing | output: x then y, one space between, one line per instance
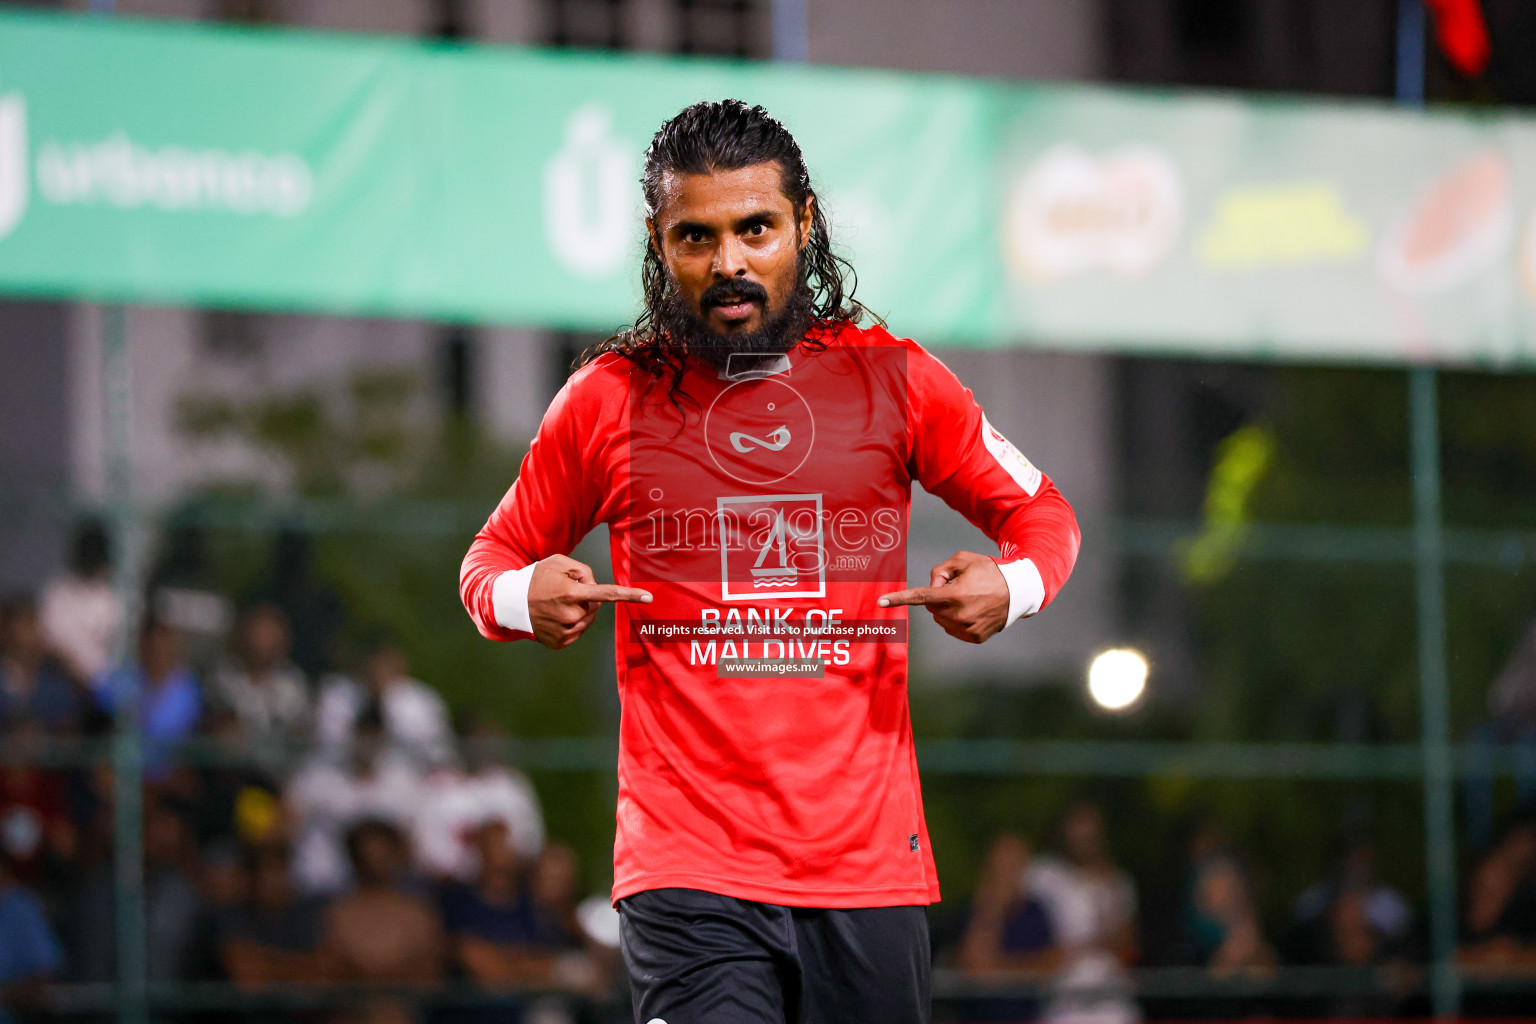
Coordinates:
612 592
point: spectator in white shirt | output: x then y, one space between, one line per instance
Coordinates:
415 718
325 799
1091 904
260 686
458 802
80 614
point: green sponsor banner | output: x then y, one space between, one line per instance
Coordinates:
1311 231
176 163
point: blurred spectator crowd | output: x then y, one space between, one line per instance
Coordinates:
340 828
346 831
1071 921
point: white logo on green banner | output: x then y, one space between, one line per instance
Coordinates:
13 161
194 164
126 174
590 212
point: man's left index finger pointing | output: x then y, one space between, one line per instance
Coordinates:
917 595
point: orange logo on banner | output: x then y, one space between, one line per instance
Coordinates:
1456 229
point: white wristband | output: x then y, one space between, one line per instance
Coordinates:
1026 590
509 599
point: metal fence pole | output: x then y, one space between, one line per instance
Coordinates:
1439 814
127 755
1429 551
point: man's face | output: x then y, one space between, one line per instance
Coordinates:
731 243
384 666
266 638
20 638
1083 834
379 858
554 875
493 841
157 652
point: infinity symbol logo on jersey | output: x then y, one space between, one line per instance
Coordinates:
776 441
771 546
759 431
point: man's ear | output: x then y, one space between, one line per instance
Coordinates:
807 218
650 229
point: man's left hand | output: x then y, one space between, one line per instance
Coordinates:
967 596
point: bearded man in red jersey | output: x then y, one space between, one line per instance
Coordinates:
752 449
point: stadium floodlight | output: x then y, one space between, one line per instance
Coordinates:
1117 679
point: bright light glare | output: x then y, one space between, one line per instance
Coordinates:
1116 679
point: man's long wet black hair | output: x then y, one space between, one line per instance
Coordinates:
725 136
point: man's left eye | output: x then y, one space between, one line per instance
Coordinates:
758 229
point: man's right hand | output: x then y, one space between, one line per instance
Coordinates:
563 598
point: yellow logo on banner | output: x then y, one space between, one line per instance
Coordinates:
1282 225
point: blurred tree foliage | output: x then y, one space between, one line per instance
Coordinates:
1304 650
1295 651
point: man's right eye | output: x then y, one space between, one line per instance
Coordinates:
693 237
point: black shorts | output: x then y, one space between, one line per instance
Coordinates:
699 958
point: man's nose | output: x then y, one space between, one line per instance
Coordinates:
730 258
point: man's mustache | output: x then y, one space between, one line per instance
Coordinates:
725 293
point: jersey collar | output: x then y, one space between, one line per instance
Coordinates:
755 365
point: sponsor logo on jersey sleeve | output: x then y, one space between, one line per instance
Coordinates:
1010 458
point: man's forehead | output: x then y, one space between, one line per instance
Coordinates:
722 194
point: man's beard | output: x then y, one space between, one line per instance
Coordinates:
781 329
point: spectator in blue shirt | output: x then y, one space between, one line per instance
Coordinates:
507 934
170 904
1008 930
170 702
274 936
29 953
492 923
36 691
1008 935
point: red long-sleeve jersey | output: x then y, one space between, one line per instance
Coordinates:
766 512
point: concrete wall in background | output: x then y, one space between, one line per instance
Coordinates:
206 413
1047 39
403 17
506 21
34 441
512 382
